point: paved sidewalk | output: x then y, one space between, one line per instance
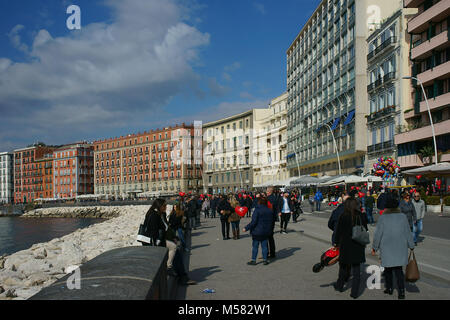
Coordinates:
222 266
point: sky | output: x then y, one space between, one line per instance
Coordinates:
137 65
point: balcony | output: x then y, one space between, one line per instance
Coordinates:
388 76
425 49
435 13
386 43
434 103
422 133
438 72
381 147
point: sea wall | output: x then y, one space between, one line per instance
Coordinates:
103 212
26 272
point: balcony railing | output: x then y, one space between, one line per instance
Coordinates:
381 147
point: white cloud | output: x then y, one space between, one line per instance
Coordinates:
124 69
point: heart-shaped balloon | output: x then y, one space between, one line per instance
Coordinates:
241 211
419 176
182 194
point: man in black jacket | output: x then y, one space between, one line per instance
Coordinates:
224 208
332 222
191 212
274 203
214 202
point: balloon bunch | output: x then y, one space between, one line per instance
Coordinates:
386 168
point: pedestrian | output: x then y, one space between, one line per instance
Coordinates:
214 202
335 214
191 207
234 218
285 209
272 203
297 208
419 207
369 202
351 253
199 203
261 227
408 209
393 237
318 198
248 205
176 222
160 232
206 207
311 201
224 208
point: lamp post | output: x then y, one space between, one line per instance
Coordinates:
429 114
335 145
298 165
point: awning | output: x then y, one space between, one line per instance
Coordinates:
442 168
349 117
335 123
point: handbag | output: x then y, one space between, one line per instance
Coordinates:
143 235
412 270
360 234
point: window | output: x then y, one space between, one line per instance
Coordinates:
374 136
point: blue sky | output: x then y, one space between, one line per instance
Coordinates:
136 65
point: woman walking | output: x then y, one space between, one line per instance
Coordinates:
160 232
408 209
260 228
234 218
176 222
393 237
352 253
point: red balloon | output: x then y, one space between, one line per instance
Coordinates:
336 187
182 194
361 194
352 188
241 211
419 176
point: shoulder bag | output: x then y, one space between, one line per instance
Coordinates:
359 233
412 270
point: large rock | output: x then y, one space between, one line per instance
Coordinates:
40 253
14 261
71 254
33 266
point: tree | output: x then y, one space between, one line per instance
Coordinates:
427 152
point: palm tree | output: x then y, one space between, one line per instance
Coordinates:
427 152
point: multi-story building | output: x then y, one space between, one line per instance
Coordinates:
388 94
228 152
73 170
6 177
28 178
167 161
327 86
45 175
269 144
429 31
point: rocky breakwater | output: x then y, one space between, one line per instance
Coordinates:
26 272
104 212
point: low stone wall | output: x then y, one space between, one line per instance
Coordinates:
76 212
26 272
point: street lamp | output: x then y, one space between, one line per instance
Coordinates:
429 114
335 145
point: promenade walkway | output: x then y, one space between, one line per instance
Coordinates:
222 266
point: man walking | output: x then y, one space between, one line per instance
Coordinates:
369 202
191 208
318 198
285 210
419 206
274 203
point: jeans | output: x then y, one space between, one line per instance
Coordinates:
398 271
192 222
235 225
417 229
284 220
225 228
369 212
264 248
181 236
318 205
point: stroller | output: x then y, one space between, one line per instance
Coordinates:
328 258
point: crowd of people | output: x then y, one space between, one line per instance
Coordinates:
397 228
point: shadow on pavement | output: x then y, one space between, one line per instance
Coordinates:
285 253
195 233
202 274
199 246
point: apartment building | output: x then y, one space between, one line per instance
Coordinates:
45 173
28 172
389 95
73 170
327 86
429 32
6 177
229 151
270 144
166 161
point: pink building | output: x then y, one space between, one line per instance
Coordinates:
429 30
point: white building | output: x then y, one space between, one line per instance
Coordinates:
6 177
269 144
